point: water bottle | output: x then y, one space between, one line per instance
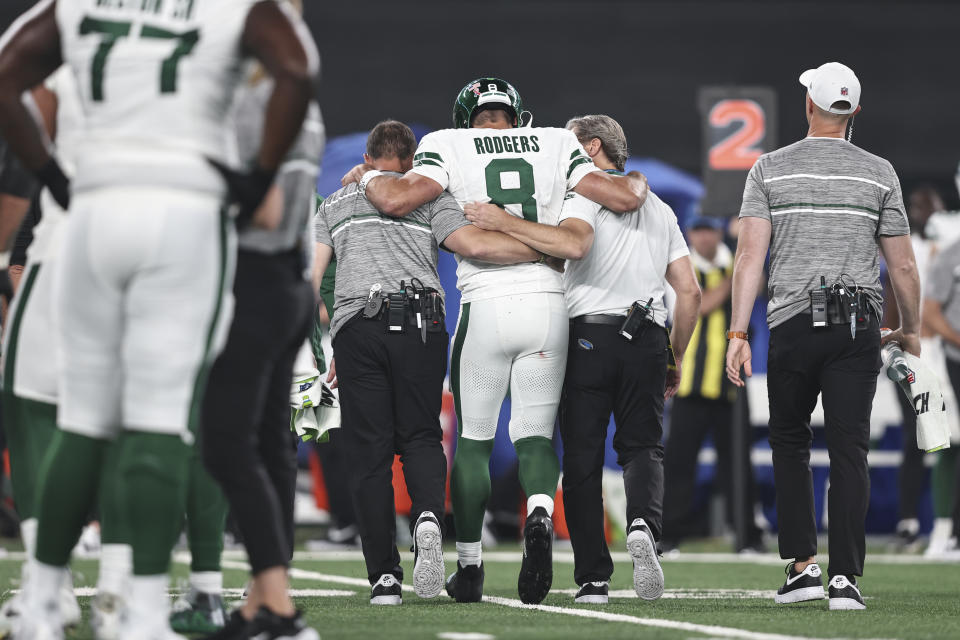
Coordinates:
897 368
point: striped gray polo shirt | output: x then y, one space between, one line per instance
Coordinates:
829 202
373 248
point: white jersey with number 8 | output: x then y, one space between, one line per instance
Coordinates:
526 170
156 80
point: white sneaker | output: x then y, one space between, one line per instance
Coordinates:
647 573
10 616
105 612
157 629
70 614
38 629
428 571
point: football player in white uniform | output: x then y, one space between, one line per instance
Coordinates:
29 342
512 331
141 283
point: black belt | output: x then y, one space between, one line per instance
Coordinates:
600 318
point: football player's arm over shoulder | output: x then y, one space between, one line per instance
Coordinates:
489 246
397 197
280 41
620 194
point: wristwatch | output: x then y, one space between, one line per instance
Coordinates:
736 334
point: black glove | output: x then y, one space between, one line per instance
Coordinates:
247 190
53 178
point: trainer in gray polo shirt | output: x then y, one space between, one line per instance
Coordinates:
825 209
391 368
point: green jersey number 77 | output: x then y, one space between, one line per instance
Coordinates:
112 31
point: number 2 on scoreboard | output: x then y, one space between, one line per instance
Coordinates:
736 150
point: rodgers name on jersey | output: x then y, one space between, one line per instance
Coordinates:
527 171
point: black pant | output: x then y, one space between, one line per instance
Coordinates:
953 372
606 373
690 420
802 364
391 391
912 470
247 442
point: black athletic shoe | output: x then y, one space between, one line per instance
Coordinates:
845 594
466 585
236 628
593 593
536 570
269 626
386 591
801 587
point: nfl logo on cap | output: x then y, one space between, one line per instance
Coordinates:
833 83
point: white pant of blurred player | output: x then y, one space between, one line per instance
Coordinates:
143 306
30 393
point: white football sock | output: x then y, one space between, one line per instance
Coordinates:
469 553
28 531
147 600
116 566
540 500
43 592
207 582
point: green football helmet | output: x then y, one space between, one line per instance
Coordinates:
483 91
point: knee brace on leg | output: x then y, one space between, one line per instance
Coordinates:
470 487
539 466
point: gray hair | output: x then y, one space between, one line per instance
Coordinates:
608 131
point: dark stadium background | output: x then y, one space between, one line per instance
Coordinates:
642 62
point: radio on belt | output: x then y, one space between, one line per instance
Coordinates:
636 320
843 303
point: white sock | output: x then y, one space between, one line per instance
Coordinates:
28 531
116 566
43 592
540 500
469 553
147 599
207 582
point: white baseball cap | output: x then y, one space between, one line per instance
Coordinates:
832 82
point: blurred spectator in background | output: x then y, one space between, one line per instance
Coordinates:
705 398
941 314
922 203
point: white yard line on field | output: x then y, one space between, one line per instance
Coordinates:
705 629
566 557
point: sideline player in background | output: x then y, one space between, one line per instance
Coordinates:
145 293
30 344
513 322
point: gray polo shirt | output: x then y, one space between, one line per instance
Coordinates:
374 248
829 202
297 176
943 285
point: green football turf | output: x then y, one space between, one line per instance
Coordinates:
909 601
